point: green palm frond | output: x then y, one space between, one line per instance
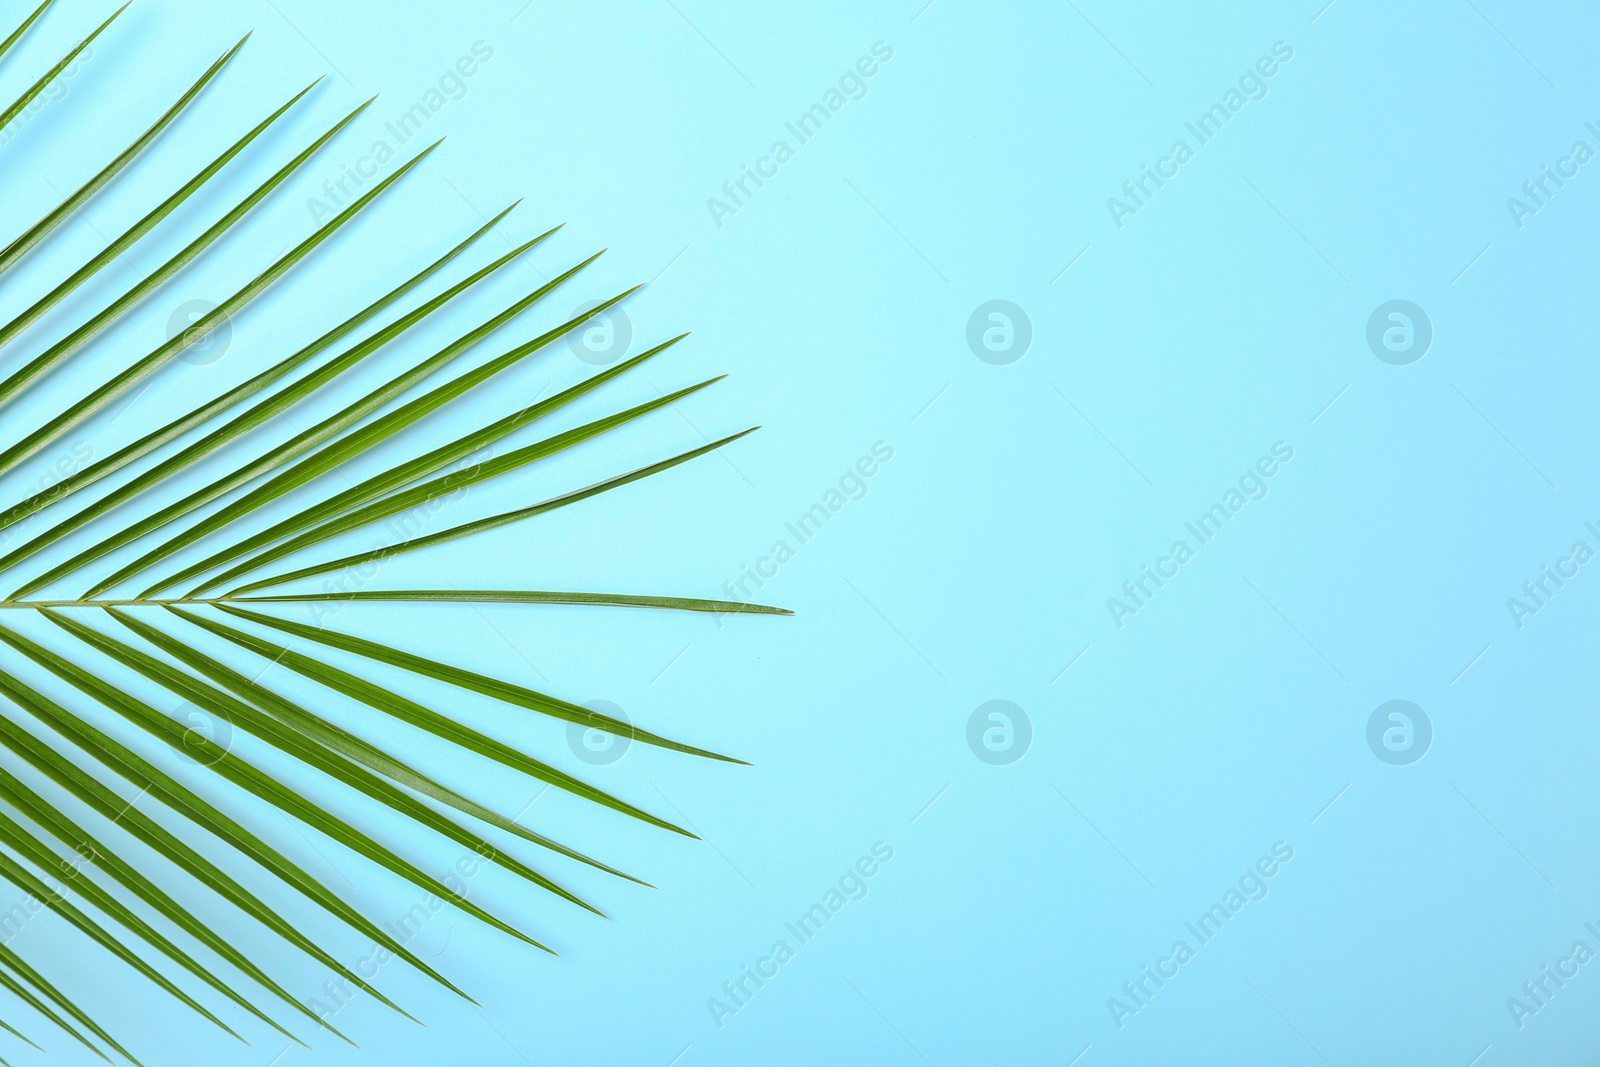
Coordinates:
157 617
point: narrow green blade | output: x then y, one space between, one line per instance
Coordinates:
49 76
520 596
295 446
39 230
12 1030
203 414
442 487
27 24
347 448
69 774
505 518
183 800
149 364
255 417
518 695
129 237
406 473
247 776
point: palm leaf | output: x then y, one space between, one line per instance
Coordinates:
117 809
12 964
341 511
84 844
142 368
131 235
27 24
506 692
336 775
257 416
344 449
20 877
378 555
38 231
206 412
33 91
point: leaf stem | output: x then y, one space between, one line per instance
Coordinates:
108 603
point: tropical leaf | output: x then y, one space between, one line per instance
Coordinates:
206 412
104 655
27 24
50 75
38 231
131 235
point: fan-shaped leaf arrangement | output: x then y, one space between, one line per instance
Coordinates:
147 614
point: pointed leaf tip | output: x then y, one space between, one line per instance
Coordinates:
508 209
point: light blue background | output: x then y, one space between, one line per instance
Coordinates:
1227 315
